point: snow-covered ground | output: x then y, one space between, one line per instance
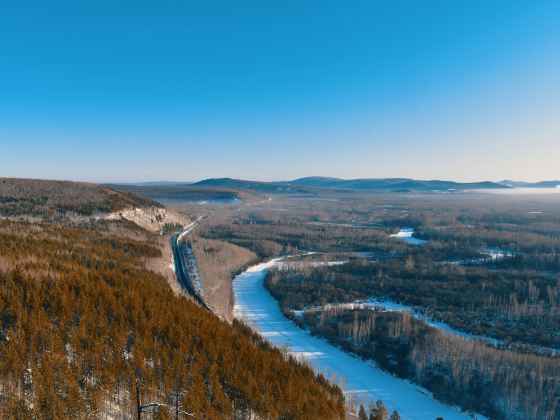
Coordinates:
257 307
193 270
150 218
497 254
172 264
406 235
488 255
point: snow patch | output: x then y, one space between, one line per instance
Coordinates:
406 235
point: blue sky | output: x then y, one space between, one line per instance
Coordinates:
181 90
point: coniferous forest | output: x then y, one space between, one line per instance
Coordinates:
86 331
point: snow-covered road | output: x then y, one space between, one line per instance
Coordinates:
257 307
189 229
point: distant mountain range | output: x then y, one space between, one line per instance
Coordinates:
392 184
309 184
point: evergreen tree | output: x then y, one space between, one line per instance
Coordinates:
395 416
362 413
379 412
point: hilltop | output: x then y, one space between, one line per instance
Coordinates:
66 202
44 197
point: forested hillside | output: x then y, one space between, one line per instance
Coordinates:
40 198
86 330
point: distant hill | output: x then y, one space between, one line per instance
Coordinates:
523 184
545 184
316 181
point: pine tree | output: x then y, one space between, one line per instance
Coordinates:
379 412
362 413
395 416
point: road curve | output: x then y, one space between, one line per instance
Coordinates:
257 307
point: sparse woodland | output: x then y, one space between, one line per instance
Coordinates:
499 383
218 262
515 298
520 308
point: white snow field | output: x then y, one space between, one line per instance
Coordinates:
258 308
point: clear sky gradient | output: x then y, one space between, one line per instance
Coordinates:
182 90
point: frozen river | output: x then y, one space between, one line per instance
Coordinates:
258 308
